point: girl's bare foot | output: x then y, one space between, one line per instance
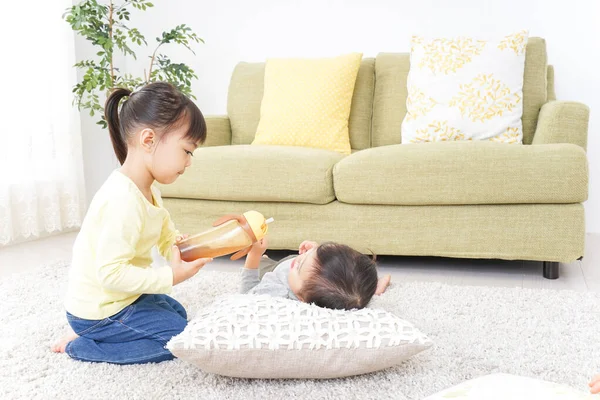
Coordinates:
382 284
60 345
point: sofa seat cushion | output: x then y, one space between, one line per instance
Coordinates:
463 173
258 173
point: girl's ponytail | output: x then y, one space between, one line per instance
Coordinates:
111 114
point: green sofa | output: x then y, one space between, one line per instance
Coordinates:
455 199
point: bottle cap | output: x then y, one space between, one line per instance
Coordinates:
257 223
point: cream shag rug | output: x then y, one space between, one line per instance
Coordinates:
544 334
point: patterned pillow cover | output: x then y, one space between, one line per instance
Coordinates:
259 336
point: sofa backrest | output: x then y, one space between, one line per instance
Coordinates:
379 100
389 104
246 91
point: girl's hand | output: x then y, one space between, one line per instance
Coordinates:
184 270
595 384
307 245
180 238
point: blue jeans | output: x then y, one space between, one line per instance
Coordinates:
135 335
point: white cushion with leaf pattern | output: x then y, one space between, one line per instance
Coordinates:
259 336
502 386
465 88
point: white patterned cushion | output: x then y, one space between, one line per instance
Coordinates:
259 336
465 88
506 386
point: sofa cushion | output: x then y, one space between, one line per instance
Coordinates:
389 103
465 88
306 102
246 92
463 173
258 173
551 232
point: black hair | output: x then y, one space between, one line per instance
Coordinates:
343 278
159 105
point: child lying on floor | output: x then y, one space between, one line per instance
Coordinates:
329 275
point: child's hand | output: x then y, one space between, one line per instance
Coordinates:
382 284
180 238
259 248
595 384
184 270
306 246
255 253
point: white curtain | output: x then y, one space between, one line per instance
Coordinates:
41 167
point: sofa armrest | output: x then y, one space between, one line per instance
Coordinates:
563 122
218 131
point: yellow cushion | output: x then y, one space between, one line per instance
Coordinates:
307 102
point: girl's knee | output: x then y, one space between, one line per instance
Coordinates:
176 306
181 311
176 326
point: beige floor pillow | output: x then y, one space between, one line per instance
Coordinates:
251 336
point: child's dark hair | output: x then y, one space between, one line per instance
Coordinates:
159 105
343 278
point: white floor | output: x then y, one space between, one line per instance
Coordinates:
579 275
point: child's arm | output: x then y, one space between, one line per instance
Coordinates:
249 280
270 283
168 237
250 271
118 235
115 246
255 254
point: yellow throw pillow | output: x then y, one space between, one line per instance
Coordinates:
306 102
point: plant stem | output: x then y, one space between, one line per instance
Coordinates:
152 62
110 35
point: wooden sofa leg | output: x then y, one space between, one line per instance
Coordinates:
550 269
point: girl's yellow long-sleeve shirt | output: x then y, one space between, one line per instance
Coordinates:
112 253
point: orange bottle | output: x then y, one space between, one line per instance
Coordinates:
232 233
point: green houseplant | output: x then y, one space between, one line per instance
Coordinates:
104 25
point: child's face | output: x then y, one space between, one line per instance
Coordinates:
301 270
173 154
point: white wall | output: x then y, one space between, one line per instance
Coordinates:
254 30
98 156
